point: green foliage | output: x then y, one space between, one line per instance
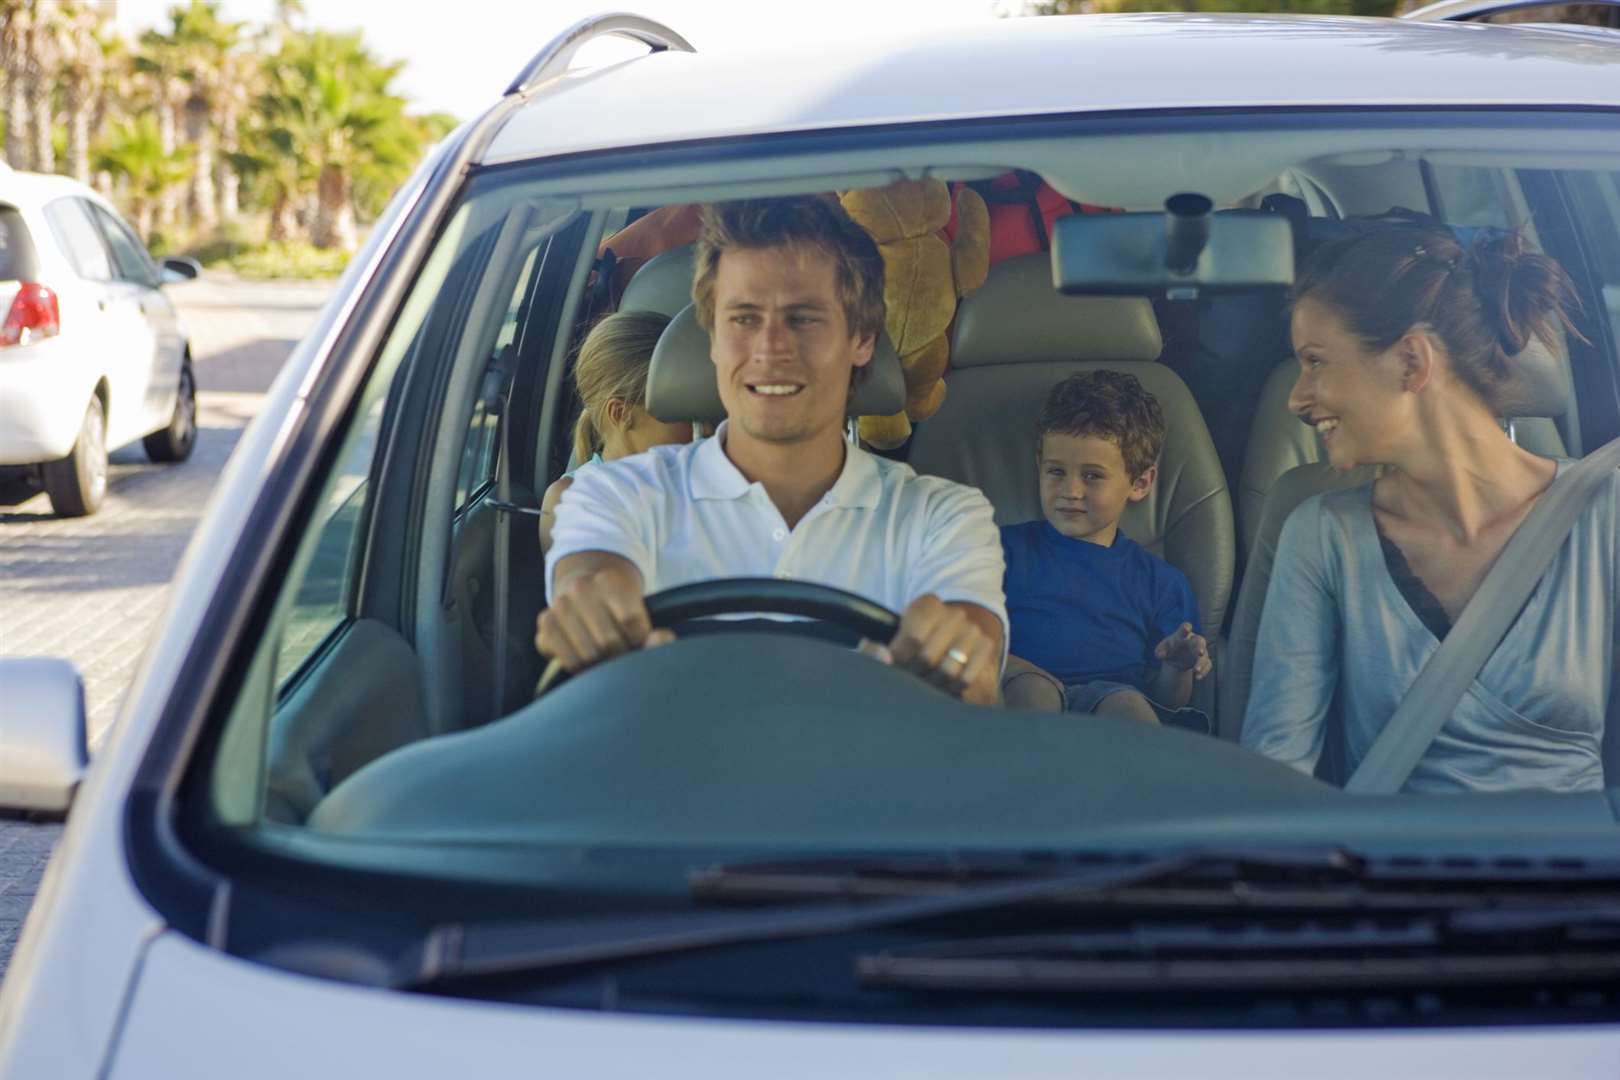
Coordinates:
133 149
295 259
328 103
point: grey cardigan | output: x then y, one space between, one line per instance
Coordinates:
1334 623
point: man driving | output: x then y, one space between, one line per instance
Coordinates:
791 294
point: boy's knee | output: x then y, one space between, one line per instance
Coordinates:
1130 704
1025 686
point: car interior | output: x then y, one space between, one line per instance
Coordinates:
405 630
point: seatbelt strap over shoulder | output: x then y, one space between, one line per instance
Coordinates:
1439 687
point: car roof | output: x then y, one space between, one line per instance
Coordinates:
1061 65
29 189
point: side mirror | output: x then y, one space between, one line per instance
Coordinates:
179 268
43 750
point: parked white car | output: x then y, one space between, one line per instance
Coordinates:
335 833
92 353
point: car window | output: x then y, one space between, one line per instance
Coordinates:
17 258
130 258
71 222
478 458
323 598
1472 195
1596 198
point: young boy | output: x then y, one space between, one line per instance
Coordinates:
1115 626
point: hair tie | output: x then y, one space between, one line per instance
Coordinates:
1421 252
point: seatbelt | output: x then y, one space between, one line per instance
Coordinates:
1485 619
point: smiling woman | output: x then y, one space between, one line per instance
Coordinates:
1409 347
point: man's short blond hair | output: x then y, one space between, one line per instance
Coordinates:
808 221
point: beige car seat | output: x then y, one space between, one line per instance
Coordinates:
1278 441
1014 339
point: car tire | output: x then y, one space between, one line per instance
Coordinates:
174 442
77 484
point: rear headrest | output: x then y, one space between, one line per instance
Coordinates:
681 384
1016 317
663 284
1540 384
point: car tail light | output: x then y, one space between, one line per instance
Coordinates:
34 315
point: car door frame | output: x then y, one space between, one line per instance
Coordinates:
144 282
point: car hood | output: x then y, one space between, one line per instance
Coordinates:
197 1013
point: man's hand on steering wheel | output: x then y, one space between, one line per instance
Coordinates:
951 646
598 612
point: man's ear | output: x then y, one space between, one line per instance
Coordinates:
1416 352
864 349
1143 484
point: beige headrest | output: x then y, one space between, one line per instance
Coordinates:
681 384
663 284
1018 318
1539 384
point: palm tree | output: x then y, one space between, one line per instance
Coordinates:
329 98
133 150
205 45
161 67
22 70
83 69
45 33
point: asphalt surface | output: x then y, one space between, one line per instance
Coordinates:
92 589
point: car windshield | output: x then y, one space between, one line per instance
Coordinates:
388 718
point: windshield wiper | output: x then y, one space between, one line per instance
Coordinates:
473 950
1551 942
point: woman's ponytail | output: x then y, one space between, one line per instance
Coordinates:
1522 294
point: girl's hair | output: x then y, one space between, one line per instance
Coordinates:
1485 302
613 363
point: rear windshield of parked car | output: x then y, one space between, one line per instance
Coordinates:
16 247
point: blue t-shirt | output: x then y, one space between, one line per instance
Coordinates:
1086 612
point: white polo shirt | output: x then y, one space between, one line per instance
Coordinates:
684 513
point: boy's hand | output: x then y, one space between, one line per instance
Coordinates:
1186 650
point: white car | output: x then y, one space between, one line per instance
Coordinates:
334 832
92 353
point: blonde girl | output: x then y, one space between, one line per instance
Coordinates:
611 377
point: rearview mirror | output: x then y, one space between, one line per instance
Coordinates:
1185 251
43 751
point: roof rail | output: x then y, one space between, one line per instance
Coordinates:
559 52
1465 10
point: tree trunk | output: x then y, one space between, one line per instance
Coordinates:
44 149
78 148
200 189
334 217
143 219
19 120
169 202
229 184
283 222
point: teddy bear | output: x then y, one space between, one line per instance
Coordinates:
924 277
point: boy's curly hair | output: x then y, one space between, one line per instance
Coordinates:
1107 405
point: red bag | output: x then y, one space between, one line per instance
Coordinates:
1023 208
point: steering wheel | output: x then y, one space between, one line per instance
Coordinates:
732 596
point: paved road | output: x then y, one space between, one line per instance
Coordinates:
91 589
